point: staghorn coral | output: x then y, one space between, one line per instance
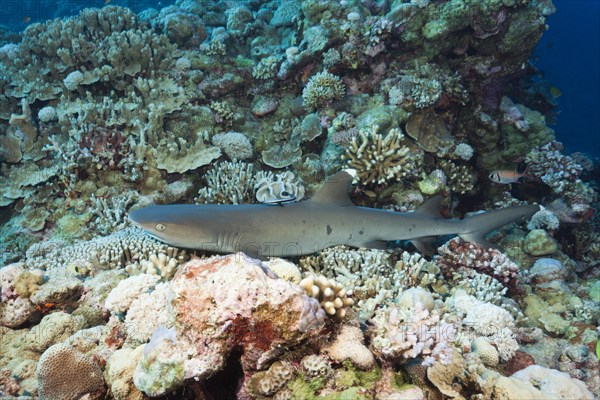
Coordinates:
111 212
483 287
379 159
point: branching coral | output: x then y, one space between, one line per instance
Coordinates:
379 159
111 213
401 334
321 90
561 173
164 264
331 295
370 274
459 254
228 183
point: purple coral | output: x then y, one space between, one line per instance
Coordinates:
458 254
561 173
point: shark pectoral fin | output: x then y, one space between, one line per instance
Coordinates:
431 207
375 244
425 245
335 190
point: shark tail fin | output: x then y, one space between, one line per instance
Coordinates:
476 227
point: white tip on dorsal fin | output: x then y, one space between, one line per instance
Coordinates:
431 207
335 190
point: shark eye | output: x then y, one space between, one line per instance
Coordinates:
161 227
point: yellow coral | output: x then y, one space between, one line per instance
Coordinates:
332 296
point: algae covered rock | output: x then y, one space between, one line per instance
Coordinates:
539 243
258 313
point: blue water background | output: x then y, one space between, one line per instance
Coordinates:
569 55
17 14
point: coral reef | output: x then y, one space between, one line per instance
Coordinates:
210 102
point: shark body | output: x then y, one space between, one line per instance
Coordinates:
329 218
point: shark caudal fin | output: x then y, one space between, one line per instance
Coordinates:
476 227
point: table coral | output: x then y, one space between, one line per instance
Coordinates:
117 250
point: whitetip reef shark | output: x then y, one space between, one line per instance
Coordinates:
328 219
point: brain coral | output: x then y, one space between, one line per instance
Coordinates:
65 373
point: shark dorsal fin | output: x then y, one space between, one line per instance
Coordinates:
431 207
335 190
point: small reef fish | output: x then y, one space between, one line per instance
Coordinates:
328 219
506 177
